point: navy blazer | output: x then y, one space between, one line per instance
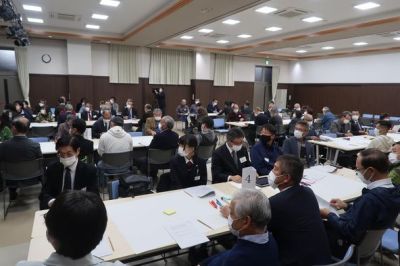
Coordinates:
356 127
263 158
290 146
183 177
130 113
165 140
85 178
222 164
298 228
98 128
85 115
19 148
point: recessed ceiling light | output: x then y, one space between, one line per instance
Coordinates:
186 37
50 36
245 36
367 5
266 9
35 20
396 38
360 43
206 30
312 19
222 41
328 48
231 21
273 29
32 8
99 16
301 51
113 3
92 27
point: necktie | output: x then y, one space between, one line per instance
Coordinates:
67 179
106 126
235 159
189 165
90 116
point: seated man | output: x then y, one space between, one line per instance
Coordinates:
147 114
394 159
356 125
266 151
67 174
44 116
312 132
212 107
152 125
296 118
260 118
115 140
327 118
63 129
207 136
376 209
295 223
188 170
75 226
77 130
18 149
276 119
102 124
129 112
248 216
381 141
166 139
235 115
229 159
342 126
299 146
88 114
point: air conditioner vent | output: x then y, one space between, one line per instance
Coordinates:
63 16
216 35
291 12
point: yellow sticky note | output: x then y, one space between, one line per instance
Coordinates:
169 212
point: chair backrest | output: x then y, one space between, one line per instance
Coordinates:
346 258
118 159
156 156
40 139
42 131
370 243
18 171
205 152
219 122
136 134
127 127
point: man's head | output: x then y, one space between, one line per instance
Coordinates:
129 103
117 121
345 117
235 138
88 107
18 105
215 102
69 107
112 100
106 114
396 148
325 109
250 212
298 114
20 126
257 111
267 134
157 113
147 108
288 171
235 108
68 150
355 115
78 127
183 102
301 129
189 146
167 122
297 107
372 165
207 123
383 127
76 223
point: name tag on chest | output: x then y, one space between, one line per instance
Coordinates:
243 160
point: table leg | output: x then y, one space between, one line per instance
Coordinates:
336 157
317 153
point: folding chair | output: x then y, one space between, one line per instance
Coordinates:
159 158
368 246
346 258
205 152
17 172
391 240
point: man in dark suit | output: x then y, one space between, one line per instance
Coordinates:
295 222
67 174
86 146
341 127
229 159
147 114
19 148
129 112
166 139
299 146
212 107
102 125
356 125
188 170
260 118
88 114
160 97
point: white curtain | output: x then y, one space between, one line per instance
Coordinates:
21 57
123 66
223 70
275 80
172 67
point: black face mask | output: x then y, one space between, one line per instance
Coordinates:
265 139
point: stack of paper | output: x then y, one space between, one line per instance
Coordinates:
200 191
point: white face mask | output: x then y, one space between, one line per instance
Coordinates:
87 109
197 102
233 231
128 106
181 152
106 121
362 177
67 162
235 110
376 132
346 121
214 104
355 117
309 123
43 112
157 118
271 179
41 104
298 109
393 157
298 134
237 147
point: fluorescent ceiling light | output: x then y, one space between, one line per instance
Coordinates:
301 51
35 20
367 5
245 36
273 29
186 37
231 21
312 19
113 3
92 27
266 9
222 41
360 43
32 8
206 30
328 48
396 38
99 16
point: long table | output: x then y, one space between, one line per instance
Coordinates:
136 230
88 123
246 123
49 147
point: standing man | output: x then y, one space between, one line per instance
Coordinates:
182 111
327 118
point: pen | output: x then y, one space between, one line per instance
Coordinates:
219 203
224 199
212 203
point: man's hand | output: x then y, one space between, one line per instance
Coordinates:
338 204
225 210
236 178
324 213
348 134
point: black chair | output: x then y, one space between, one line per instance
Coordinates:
48 132
159 159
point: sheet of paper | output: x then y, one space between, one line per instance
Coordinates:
214 221
325 204
103 248
324 168
249 175
186 234
200 191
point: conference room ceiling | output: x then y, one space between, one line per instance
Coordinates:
162 23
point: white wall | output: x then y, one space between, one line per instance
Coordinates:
79 57
378 68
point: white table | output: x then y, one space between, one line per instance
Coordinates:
213 114
49 147
88 123
240 124
45 124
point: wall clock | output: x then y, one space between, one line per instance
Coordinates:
46 58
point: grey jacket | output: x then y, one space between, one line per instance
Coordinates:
340 128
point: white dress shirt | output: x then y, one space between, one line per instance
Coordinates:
386 183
